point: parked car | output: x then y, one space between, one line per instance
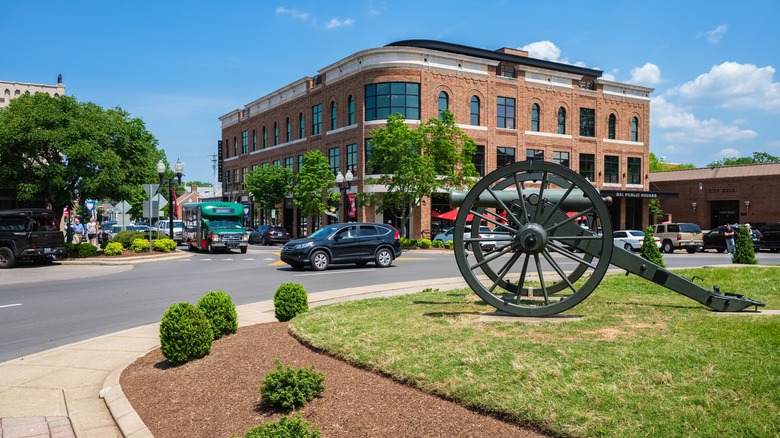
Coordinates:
771 237
162 226
631 240
269 235
714 239
358 243
681 235
484 233
115 229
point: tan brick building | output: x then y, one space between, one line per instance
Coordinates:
514 107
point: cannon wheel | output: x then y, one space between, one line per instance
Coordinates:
546 264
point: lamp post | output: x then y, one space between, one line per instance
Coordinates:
341 180
178 168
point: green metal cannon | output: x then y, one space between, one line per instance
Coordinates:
555 246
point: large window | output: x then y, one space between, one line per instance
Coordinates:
371 168
444 103
534 154
333 122
300 162
316 119
479 160
535 117
561 120
244 142
352 157
301 125
588 166
611 126
611 169
474 110
505 116
561 158
351 104
254 140
265 138
276 133
504 156
288 163
288 130
333 160
390 98
235 146
634 171
587 122
634 129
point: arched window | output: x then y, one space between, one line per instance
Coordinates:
289 130
444 103
634 129
333 122
474 110
265 138
276 134
612 123
301 132
351 104
535 117
254 140
561 120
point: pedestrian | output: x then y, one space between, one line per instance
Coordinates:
92 230
728 234
78 231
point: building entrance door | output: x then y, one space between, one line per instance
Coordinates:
724 212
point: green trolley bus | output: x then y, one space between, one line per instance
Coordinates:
214 226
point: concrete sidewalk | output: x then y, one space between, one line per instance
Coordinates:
74 390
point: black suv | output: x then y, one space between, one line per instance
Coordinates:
771 237
714 239
357 243
29 234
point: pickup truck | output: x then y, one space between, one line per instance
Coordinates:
29 234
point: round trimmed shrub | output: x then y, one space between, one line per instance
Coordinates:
285 427
220 311
113 249
164 244
127 237
185 333
139 245
290 387
424 243
87 250
290 299
450 244
437 244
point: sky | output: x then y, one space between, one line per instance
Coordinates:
179 65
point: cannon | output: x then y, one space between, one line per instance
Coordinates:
555 246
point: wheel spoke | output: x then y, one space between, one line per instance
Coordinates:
521 280
504 270
541 279
558 269
541 197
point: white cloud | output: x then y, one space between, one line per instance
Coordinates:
648 74
728 153
735 86
714 36
335 23
543 50
608 77
681 126
303 16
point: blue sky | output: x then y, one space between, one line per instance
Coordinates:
179 66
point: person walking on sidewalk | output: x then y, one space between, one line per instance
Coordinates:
92 230
78 231
729 236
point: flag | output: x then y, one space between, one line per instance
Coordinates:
174 204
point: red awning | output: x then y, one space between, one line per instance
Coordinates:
452 214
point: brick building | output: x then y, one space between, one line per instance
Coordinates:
513 106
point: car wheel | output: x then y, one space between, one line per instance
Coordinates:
668 248
469 246
211 249
690 250
628 247
319 261
7 259
243 250
384 258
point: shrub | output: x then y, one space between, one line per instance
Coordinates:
744 253
139 245
290 387
450 244
185 333
424 243
437 244
218 307
290 299
86 249
164 245
113 249
407 243
286 427
127 237
649 250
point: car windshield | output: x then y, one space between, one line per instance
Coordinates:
637 233
226 224
690 228
324 232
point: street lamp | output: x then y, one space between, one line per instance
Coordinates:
178 168
340 180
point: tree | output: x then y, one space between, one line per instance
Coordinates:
312 185
413 164
757 158
268 185
744 253
61 150
649 250
657 165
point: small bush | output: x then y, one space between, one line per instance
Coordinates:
744 253
113 249
450 244
139 245
437 244
218 307
424 243
86 249
649 250
407 243
164 245
185 333
127 237
290 299
286 427
290 387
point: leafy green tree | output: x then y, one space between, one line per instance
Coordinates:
744 253
268 185
757 158
61 150
413 164
657 166
649 250
312 184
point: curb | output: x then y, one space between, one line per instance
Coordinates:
128 260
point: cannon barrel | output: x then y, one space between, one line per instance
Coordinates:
576 200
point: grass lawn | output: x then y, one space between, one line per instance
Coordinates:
642 360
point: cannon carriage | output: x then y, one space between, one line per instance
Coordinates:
557 245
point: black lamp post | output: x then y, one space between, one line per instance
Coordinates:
178 168
340 180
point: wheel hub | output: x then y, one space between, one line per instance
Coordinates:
532 238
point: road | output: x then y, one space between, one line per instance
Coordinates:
42 307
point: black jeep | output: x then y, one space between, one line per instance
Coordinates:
29 234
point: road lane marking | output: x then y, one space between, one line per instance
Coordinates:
10 305
336 272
